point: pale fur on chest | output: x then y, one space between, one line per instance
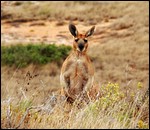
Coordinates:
77 67
76 76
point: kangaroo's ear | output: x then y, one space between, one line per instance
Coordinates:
73 30
90 32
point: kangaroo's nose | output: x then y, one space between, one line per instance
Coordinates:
81 46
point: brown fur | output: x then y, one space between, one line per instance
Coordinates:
77 72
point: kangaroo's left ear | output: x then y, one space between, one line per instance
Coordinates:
90 32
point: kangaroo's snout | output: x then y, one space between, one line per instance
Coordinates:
80 46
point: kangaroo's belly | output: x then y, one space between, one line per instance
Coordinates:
78 77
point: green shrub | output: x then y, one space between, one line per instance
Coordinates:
23 55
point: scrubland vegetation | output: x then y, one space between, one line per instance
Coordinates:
30 88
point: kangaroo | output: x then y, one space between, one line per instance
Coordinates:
77 72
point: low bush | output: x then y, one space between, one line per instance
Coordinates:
23 55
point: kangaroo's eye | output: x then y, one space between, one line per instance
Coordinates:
85 40
76 39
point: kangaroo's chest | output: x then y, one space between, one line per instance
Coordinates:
78 67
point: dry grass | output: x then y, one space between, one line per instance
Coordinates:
120 55
81 11
114 109
37 86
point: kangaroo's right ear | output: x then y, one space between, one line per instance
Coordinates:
73 30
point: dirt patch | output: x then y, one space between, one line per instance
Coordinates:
54 31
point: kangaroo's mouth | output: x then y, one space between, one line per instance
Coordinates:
80 50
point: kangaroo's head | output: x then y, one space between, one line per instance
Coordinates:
80 43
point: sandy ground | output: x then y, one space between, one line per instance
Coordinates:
50 32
